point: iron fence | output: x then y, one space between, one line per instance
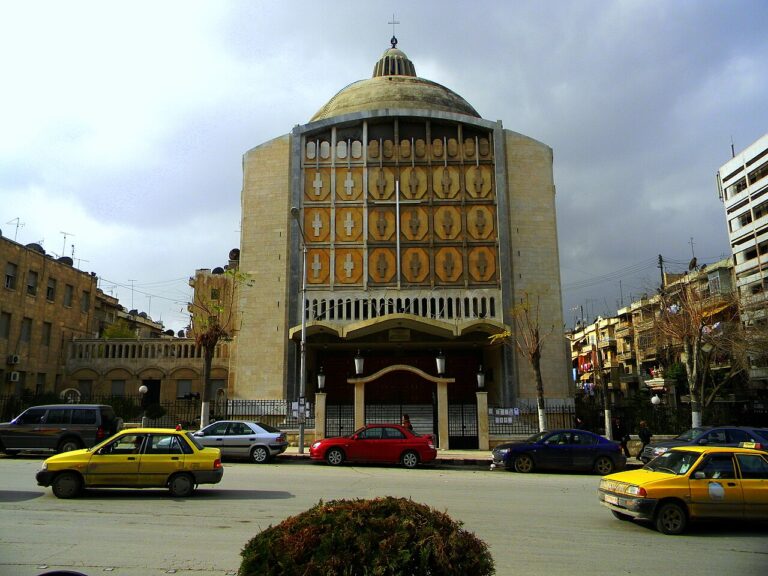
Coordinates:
506 421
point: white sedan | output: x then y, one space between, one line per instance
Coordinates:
243 439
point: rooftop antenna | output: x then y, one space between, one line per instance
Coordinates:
733 152
19 224
78 259
131 281
64 247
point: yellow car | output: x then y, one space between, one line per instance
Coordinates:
691 483
135 458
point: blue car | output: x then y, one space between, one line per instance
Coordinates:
571 449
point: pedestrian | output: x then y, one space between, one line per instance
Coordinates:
578 423
407 423
645 435
620 435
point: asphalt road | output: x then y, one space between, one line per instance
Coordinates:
534 524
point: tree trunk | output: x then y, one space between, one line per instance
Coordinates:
205 406
536 363
694 386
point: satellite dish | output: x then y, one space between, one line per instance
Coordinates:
133 312
143 315
180 334
168 332
65 260
692 263
218 270
234 254
36 247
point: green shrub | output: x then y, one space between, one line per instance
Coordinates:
383 536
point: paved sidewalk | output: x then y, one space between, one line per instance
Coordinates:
477 458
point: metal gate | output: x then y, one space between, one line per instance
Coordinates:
339 420
422 416
462 426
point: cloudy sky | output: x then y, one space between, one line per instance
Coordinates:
123 124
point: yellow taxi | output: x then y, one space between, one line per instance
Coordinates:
691 483
135 458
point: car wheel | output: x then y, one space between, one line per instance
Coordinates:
334 456
10 453
604 465
69 444
523 463
410 459
67 485
181 485
671 518
620 516
259 455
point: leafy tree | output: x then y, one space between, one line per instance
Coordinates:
529 341
119 329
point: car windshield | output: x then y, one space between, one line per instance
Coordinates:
673 462
689 435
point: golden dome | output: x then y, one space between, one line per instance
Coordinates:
394 85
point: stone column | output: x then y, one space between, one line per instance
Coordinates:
482 421
442 414
319 415
359 405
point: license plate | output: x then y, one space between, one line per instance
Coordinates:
611 499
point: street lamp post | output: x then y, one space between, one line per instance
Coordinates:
303 347
143 391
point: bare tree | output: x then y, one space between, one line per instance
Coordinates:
529 341
686 320
213 315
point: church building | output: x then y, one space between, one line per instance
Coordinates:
385 240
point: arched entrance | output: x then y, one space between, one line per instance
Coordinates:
440 403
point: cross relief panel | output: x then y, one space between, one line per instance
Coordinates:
418 210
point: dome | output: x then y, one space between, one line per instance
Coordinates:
394 85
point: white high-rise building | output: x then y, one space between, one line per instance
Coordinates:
743 186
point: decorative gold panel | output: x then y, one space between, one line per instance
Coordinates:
469 148
478 181
317 184
413 183
381 223
447 222
445 182
481 222
382 265
349 266
482 264
452 148
448 265
437 148
349 184
420 148
405 150
485 147
415 265
318 266
349 224
414 222
317 224
381 183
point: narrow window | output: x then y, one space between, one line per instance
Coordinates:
85 301
32 283
5 324
26 329
69 292
11 271
46 336
50 292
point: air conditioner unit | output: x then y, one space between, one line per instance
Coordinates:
14 376
12 359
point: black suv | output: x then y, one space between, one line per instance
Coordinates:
59 428
708 436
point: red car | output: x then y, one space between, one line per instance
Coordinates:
386 443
